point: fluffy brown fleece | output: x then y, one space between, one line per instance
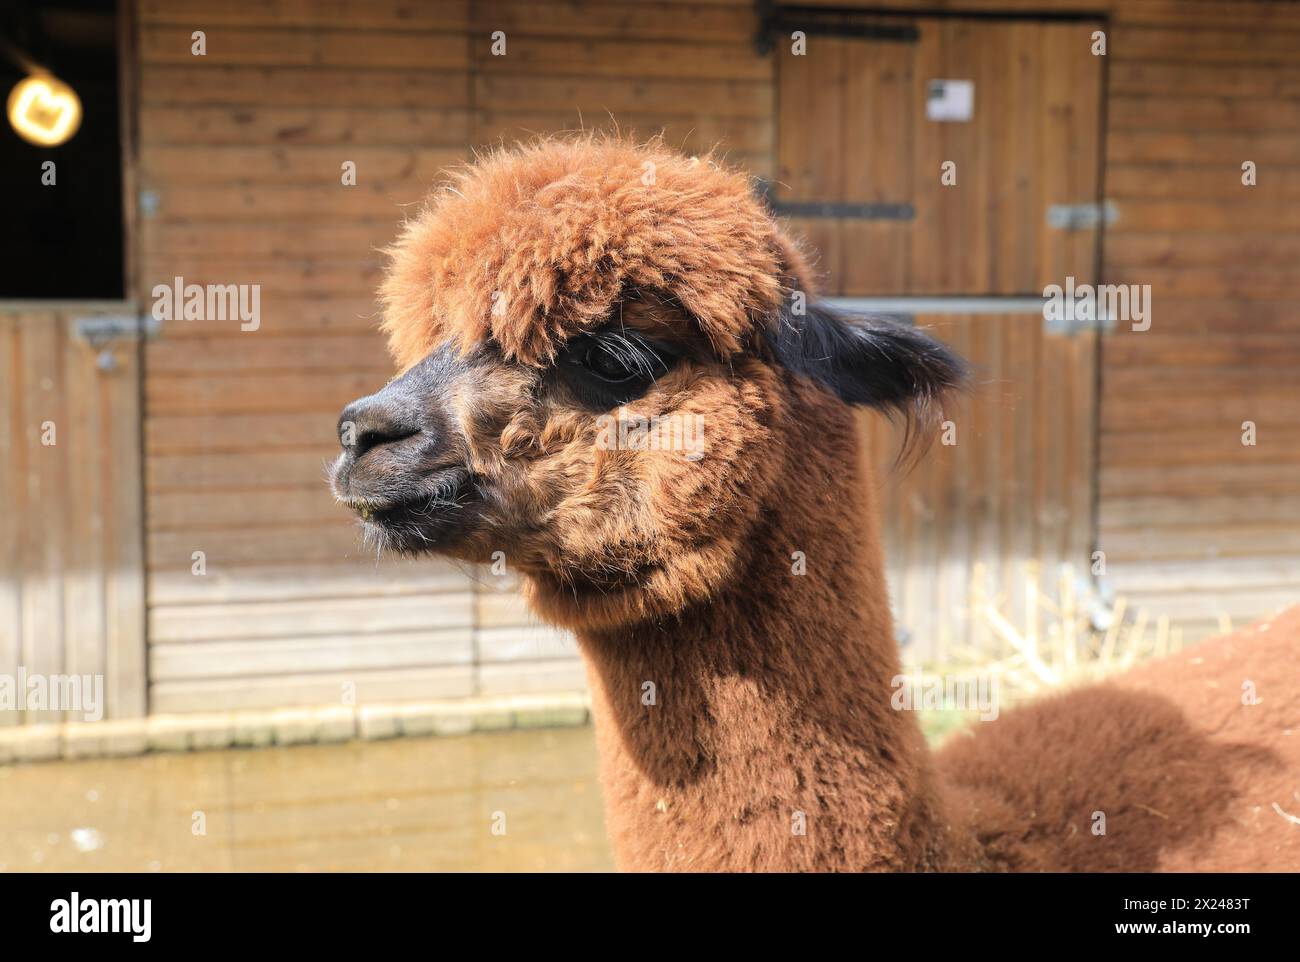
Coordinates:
742 700
531 245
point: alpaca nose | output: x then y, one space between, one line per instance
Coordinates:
371 422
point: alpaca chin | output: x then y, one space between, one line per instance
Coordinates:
656 591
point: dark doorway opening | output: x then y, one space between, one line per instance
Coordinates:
63 240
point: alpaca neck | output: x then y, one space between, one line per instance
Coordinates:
756 731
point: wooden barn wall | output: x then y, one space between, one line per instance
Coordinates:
70 566
240 155
1195 524
239 167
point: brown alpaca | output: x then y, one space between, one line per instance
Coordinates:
743 710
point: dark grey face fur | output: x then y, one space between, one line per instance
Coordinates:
403 467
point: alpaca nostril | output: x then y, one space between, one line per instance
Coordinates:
373 439
368 424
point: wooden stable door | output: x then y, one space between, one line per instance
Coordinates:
71 584
949 171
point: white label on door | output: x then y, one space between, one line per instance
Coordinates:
950 100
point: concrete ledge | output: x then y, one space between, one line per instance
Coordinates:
290 726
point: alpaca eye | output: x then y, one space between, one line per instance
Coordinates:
612 366
604 364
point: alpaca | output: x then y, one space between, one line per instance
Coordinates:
742 701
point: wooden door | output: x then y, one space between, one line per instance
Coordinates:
950 223
71 590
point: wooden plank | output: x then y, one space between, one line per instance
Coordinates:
322 275
1277 442
1213 351
1204 112
294 164
810 151
686 56
647 20
284 86
1152 511
417 50
236 394
1185 249
324 688
297 580
1221 80
1201 541
1159 413
722 98
533 643
225 549
1227 150
564 674
344 617
83 510
45 474
878 112
683 130
285 655
265 469
189 510
263 203
1248 44
288 312
13 492
1229 574
230 433
1072 85
360 126
294 353
270 240
351 15
1199 480
1228 217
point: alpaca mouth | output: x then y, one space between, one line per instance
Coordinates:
415 518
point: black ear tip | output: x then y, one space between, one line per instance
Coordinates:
870 361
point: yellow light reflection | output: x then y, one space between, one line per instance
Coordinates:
44 110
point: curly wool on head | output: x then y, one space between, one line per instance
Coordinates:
535 243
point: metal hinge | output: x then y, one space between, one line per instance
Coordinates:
1081 216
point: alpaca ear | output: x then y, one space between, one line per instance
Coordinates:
863 360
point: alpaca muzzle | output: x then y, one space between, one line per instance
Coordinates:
399 469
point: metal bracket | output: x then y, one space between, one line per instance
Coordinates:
781 18
906 306
831 208
846 211
102 330
1081 216
1077 325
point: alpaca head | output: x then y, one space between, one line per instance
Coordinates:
599 345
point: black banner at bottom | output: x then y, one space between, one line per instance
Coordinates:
214 912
